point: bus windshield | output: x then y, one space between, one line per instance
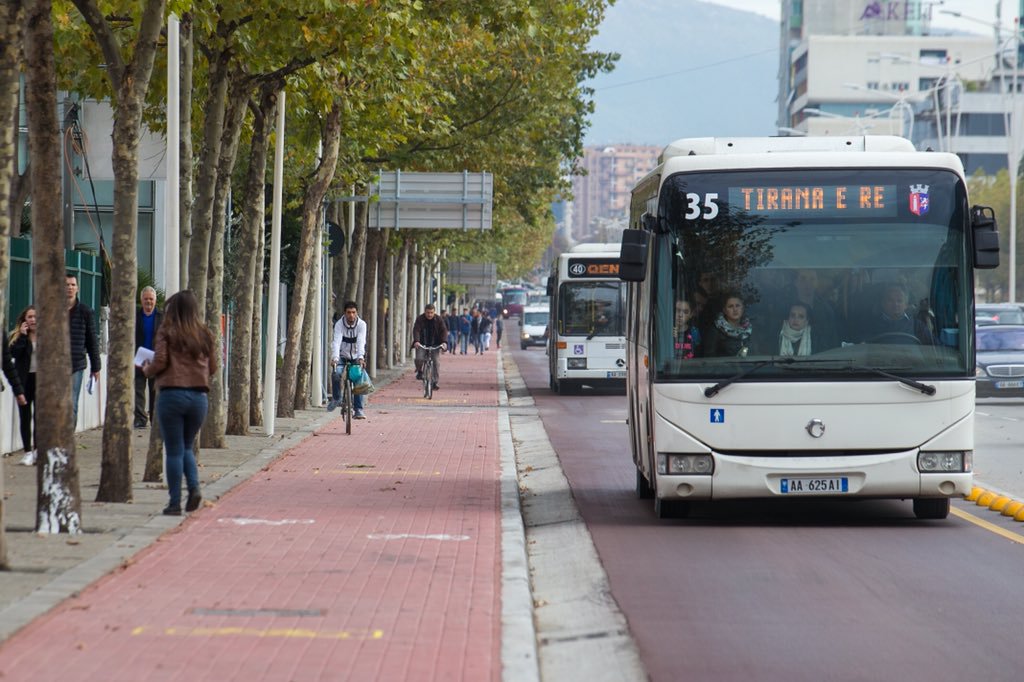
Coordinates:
513 297
591 308
840 271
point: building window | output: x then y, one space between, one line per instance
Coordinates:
97 219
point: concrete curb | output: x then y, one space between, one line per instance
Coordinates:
518 636
581 632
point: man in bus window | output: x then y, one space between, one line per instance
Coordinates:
894 324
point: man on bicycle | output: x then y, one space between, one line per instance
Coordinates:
348 346
429 330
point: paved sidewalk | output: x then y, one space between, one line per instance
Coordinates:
375 555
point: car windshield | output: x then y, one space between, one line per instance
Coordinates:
864 268
535 319
996 339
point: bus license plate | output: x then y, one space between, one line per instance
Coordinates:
618 374
814 486
1019 383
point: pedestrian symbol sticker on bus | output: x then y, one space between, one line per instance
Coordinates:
717 416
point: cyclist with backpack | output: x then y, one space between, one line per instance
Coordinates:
348 347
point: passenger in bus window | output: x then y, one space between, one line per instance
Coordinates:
894 324
806 290
685 334
795 335
730 334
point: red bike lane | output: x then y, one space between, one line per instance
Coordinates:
370 556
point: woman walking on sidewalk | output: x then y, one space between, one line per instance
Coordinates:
22 344
182 363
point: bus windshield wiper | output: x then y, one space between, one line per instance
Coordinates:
924 388
592 334
713 390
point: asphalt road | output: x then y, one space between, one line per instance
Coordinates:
799 589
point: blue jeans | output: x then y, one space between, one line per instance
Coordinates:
76 390
357 400
463 342
181 412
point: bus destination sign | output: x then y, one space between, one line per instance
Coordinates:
581 268
826 201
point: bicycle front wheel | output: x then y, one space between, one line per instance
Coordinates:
428 386
346 404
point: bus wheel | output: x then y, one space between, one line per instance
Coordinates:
671 509
931 508
566 387
644 491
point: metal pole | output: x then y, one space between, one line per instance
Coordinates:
172 209
273 286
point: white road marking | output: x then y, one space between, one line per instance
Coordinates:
416 536
266 522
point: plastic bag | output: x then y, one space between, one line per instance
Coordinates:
362 386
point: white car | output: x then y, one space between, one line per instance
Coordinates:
533 325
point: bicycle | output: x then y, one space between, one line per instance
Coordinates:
427 370
346 403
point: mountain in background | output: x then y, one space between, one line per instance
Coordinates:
688 69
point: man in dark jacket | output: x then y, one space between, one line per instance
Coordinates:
147 322
84 343
429 330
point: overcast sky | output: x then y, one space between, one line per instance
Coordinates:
983 10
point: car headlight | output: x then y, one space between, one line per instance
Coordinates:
525 336
945 461
979 371
692 465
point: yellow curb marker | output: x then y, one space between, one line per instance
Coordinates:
1012 508
1007 506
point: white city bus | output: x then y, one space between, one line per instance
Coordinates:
871 241
586 342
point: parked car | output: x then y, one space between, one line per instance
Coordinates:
1000 361
1002 313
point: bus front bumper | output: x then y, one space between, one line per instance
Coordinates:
891 475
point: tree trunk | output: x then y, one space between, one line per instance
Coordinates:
202 216
212 433
339 265
154 468
398 301
256 360
374 245
356 258
58 505
129 83
10 47
383 342
249 233
311 226
302 375
185 146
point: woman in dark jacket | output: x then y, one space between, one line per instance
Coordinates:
183 362
22 344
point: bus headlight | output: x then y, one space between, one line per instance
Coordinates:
945 461
672 463
576 363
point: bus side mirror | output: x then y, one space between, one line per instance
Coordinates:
986 238
633 255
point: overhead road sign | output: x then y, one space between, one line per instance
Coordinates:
432 201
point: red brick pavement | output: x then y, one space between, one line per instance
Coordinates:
372 556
